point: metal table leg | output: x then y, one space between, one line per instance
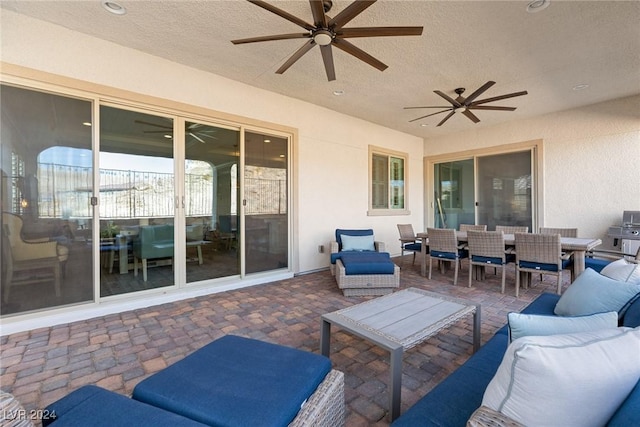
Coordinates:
395 387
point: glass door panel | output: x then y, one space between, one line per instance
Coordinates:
504 190
454 194
212 155
136 201
265 202
47 181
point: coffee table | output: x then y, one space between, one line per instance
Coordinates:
398 322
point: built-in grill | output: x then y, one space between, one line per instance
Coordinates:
626 237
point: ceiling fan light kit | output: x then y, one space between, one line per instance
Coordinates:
328 32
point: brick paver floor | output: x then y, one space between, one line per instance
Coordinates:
118 351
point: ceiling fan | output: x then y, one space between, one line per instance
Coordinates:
465 105
193 130
326 32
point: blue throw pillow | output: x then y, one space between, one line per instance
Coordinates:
357 243
523 325
594 293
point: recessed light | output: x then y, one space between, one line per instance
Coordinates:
282 155
168 136
580 86
266 141
86 123
424 125
338 92
113 7
537 6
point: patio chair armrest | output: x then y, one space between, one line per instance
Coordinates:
380 246
334 247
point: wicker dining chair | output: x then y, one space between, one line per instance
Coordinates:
409 242
487 249
443 246
563 232
476 227
539 253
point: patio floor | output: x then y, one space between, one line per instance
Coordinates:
118 351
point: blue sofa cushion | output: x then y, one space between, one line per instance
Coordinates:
95 406
631 310
367 263
627 413
542 305
237 381
452 402
596 264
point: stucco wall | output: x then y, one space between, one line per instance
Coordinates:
591 161
332 149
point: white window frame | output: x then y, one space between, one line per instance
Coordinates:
389 154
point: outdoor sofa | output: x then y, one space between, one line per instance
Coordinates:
464 395
233 381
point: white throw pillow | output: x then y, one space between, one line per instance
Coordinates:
357 243
594 293
525 325
568 380
623 271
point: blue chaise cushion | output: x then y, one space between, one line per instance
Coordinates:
367 263
236 381
97 407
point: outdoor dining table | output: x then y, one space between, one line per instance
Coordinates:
578 245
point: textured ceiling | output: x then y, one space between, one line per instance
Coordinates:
464 44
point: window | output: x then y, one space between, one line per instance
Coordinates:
387 183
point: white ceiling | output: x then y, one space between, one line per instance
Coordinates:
464 44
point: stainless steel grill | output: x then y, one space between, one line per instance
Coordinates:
627 235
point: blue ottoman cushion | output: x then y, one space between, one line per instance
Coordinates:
237 381
97 407
367 263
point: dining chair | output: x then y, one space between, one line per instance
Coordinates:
443 245
563 232
487 249
477 227
539 253
409 242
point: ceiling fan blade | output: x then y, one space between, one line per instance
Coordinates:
196 137
379 31
270 38
489 107
448 98
431 106
327 58
446 118
142 122
317 9
283 14
479 92
432 114
297 55
498 98
471 116
349 12
359 53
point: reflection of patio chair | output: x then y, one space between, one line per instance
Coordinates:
34 260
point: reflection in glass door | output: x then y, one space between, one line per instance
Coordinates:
454 194
212 156
265 202
504 190
136 201
45 193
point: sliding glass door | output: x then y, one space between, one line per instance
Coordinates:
504 190
265 202
491 189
